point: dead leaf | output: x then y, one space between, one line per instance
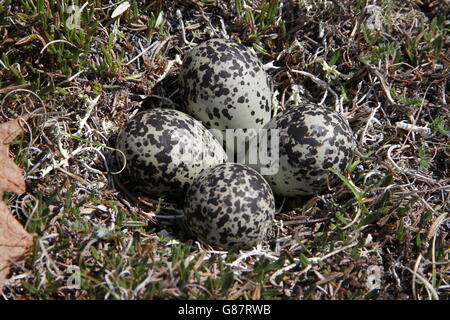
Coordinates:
11 177
14 240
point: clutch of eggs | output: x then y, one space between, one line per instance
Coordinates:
312 140
165 150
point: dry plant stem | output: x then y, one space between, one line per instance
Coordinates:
183 30
369 121
413 282
34 112
150 47
427 284
355 219
384 85
12 88
318 81
56 41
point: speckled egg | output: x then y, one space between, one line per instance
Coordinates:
224 85
166 150
229 205
312 139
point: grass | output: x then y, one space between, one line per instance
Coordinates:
92 240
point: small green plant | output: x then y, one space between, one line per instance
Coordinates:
13 70
335 57
438 125
260 21
111 61
359 195
425 158
368 34
436 33
380 52
387 7
408 102
267 16
155 22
